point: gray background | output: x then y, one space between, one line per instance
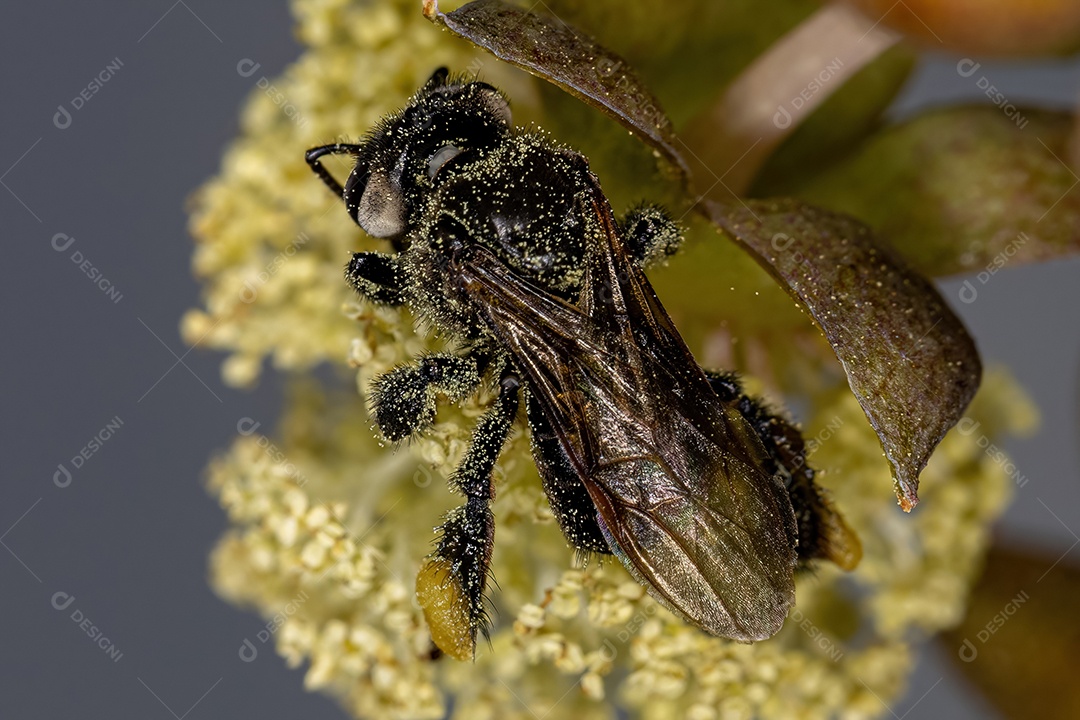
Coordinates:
129 537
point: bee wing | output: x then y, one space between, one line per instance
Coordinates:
677 477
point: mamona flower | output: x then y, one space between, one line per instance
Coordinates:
328 528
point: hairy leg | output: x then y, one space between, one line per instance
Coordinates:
451 583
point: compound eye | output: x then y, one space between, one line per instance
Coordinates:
381 210
442 156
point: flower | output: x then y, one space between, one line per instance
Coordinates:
328 528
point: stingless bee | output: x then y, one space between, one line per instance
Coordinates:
504 241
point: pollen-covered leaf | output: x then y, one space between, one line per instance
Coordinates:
908 359
551 49
959 189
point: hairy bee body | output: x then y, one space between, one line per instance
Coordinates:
505 241
496 202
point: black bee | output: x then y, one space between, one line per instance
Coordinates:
505 241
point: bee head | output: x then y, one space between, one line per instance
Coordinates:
448 120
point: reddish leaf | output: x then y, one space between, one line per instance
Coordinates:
956 189
908 359
1021 637
551 49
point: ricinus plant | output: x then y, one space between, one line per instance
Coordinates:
330 528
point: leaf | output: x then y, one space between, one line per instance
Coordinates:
555 51
988 27
900 345
908 359
1018 642
692 49
956 190
731 140
845 118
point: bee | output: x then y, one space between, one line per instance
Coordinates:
504 241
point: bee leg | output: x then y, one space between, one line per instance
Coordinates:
650 234
823 534
450 585
403 400
377 277
569 500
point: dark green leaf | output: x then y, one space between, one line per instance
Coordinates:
908 359
957 190
551 49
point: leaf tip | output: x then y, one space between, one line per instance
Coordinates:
906 486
